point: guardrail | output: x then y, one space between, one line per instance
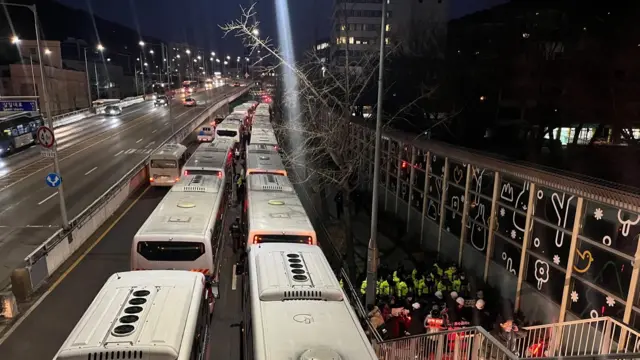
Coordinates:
64 119
48 257
587 337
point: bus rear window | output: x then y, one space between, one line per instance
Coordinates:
163 164
170 251
292 239
227 133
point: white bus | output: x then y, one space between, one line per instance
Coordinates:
263 159
273 212
165 164
263 137
144 315
206 133
297 309
240 116
208 160
184 231
230 130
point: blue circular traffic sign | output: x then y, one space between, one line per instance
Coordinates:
53 180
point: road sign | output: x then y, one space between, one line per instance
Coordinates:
246 75
18 105
53 180
48 153
45 137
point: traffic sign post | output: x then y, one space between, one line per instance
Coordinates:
53 180
45 137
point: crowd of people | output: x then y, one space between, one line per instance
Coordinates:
426 299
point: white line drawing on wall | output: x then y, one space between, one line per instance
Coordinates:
509 264
433 210
606 240
457 174
455 205
479 244
519 199
626 224
478 174
559 204
507 192
541 273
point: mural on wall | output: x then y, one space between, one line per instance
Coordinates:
507 254
481 183
604 269
435 191
512 207
555 208
545 277
587 302
614 228
477 233
455 198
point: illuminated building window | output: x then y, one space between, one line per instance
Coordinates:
351 40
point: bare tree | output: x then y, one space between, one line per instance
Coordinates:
318 135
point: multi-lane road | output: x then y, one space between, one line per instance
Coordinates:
41 331
94 154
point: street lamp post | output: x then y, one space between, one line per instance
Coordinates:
144 92
372 254
49 120
95 69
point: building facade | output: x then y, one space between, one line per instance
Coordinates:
66 89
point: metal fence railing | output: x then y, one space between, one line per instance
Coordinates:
588 337
472 343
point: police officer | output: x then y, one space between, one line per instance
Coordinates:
401 288
456 284
384 288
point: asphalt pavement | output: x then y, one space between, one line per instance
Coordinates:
43 331
30 210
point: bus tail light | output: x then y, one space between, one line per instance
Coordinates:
256 239
219 175
177 179
150 179
186 173
309 241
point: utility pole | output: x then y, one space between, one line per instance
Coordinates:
165 54
86 70
372 254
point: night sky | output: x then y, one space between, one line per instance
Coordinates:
196 21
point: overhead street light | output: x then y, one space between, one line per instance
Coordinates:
141 43
255 32
108 59
217 60
195 60
151 51
188 51
225 63
199 57
15 40
213 53
47 51
145 64
228 57
211 58
100 47
178 56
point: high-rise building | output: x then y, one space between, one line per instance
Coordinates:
356 26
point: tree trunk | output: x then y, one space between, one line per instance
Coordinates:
322 195
348 238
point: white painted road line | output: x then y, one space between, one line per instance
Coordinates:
149 145
139 140
119 152
234 278
90 171
48 197
154 131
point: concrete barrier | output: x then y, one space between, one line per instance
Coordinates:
68 118
48 257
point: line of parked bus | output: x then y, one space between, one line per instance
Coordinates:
296 307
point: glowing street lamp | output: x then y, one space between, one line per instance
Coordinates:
228 57
178 56
226 63
195 60
100 47
151 51
188 52
47 51
199 57
213 53
218 60
146 64
211 58
141 43
255 32
15 40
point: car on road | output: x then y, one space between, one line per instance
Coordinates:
189 102
236 84
113 110
161 100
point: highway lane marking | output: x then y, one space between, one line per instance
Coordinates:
90 171
148 145
137 123
234 278
154 131
48 197
119 152
139 140
66 273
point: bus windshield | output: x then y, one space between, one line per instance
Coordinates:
163 164
227 133
170 251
